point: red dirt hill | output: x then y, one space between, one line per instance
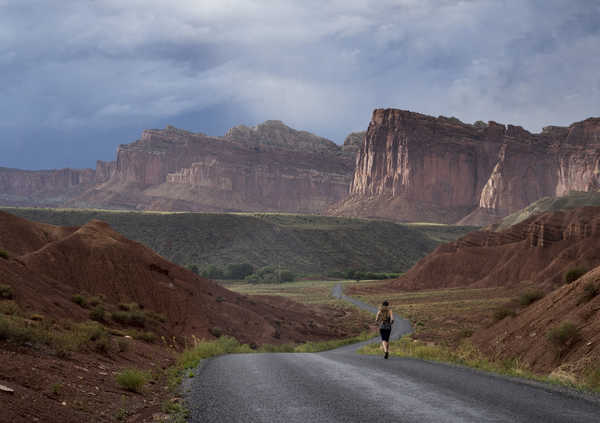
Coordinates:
47 265
525 336
540 250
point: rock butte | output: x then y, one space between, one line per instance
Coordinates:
413 167
407 167
270 167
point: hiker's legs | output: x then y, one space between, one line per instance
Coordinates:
386 346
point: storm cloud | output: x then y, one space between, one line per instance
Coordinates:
78 78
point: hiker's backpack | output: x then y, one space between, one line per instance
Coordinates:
385 320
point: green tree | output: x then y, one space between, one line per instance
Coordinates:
238 271
193 268
212 272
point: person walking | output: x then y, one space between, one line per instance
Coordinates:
385 320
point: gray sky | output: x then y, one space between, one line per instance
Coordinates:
80 77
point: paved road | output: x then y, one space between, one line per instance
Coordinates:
341 386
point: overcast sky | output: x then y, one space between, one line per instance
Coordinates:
80 77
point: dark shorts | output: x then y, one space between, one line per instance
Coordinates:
385 334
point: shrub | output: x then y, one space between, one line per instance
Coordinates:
9 307
3 254
79 300
130 318
563 335
216 331
287 276
15 330
589 291
156 316
574 273
193 268
102 344
503 312
132 379
530 297
212 272
6 292
220 299
97 314
238 271
252 279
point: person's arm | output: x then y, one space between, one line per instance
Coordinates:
391 317
377 316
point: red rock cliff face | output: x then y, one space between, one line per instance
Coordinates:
269 167
43 187
415 167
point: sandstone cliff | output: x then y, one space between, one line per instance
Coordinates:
414 167
43 187
267 167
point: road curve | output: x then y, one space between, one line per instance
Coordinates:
341 386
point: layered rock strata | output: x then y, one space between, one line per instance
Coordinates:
43 187
414 167
269 167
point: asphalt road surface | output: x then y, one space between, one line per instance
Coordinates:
342 386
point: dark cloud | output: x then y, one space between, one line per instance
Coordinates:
81 77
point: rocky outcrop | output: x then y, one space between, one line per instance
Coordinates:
414 167
267 167
353 142
538 250
43 187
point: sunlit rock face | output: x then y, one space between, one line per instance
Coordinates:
270 167
413 167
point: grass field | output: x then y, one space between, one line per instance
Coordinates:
446 316
306 292
303 244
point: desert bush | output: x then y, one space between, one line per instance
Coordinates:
156 316
287 276
530 297
3 254
17 331
6 292
574 273
9 307
590 290
79 300
132 379
564 334
220 299
216 331
97 314
503 312
213 272
130 318
193 268
102 345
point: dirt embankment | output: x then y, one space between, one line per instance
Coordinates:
62 366
539 250
559 332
